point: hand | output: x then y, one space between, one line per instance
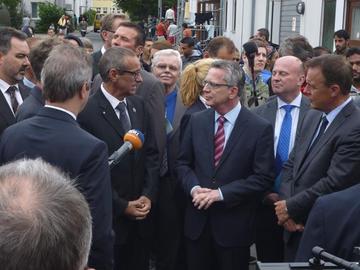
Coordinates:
145 203
206 199
199 190
271 198
291 226
281 212
136 210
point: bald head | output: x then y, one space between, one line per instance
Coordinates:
287 78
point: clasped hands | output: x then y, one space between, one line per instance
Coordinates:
138 209
203 198
284 219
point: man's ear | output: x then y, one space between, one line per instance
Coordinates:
234 92
335 90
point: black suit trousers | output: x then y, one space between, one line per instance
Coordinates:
205 254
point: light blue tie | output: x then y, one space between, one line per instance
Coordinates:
282 151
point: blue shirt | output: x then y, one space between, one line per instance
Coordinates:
170 104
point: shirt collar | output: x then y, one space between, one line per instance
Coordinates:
103 50
331 115
296 102
232 115
203 100
113 100
61 109
5 86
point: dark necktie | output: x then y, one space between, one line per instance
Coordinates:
282 150
219 140
324 123
14 103
124 119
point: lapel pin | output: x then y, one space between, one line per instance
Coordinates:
134 110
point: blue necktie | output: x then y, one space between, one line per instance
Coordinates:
282 151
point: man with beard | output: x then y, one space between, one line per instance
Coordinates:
353 56
341 39
14 52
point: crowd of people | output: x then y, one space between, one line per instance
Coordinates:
240 148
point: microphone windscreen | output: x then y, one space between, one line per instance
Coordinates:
250 48
135 137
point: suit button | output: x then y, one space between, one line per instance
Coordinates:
213 180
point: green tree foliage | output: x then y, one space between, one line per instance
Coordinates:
15 12
90 15
49 14
140 9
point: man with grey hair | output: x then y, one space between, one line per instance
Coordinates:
225 162
45 221
54 135
166 66
110 113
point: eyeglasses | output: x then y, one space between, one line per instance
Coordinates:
164 67
212 85
135 74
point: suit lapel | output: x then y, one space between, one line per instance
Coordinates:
207 128
5 110
329 133
304 106
235 136
24 90
133 115
109 113
271 112
305 141
178 114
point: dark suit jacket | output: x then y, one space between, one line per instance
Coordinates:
31 105
7 117
57 138
333 225
244 171
333 163
137 174
95 62
198 106
152 91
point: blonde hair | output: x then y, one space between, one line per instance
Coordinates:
192 78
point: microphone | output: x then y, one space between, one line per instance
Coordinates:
133 139
322 254
251 50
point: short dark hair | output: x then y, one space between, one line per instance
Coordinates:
352 51
6 34
265 33
335 69
114 57
189 41
320 51
342 34
259 42
140 37
184 25
217 43
161 45
297 46
75 38
108 20
39 54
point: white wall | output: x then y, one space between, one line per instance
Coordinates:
311 22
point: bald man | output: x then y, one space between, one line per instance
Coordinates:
284 111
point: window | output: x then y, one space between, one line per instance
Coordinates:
105 10
34 10
328 23
98 10
233 27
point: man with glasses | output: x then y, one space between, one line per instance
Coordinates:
109 24
109 114
225 163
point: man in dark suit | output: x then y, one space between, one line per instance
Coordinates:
285 111
326 157
54 135
14 60
333 225
109 114
166 66
131 36
109 24
225 162
35 101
